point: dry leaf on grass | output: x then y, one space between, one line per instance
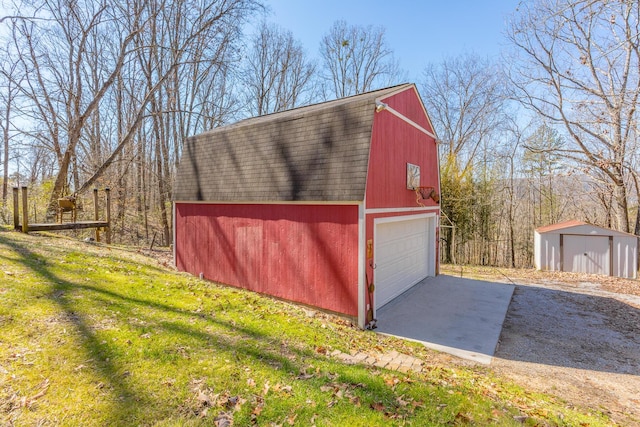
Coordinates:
231 402
391 381
377 406
206 399
257 410
332 376
355 401
401 402
223 419
291 419
286 389
304 376
27 402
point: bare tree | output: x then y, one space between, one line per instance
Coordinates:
542 162
8 98
357 59
278 75
73 58
99 75
54 55
509 191
207 24
576 63
465 98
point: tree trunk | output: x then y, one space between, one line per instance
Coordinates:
76 175
512 250
447 245
622 212
60 182
636 229
162 201
5 164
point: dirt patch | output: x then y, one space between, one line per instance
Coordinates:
163 256
535 277
575 337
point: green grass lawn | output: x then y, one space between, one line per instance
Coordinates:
92 335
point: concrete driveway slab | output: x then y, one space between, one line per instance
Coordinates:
459 316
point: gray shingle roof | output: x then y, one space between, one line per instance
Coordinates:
314 153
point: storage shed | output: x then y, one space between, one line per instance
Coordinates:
315 204
579 247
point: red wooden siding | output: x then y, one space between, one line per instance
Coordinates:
406 103
395 143
302 253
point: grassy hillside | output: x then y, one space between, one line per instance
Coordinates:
94 335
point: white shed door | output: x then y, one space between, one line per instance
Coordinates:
586 254
401 257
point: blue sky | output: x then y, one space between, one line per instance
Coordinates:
419 32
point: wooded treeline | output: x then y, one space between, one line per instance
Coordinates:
102 93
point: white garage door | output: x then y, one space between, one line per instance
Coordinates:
401 257
586 254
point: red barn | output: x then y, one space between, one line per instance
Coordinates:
315 204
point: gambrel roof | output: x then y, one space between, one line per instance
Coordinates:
314 153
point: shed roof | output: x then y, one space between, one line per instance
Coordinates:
581 227
314 153
560 226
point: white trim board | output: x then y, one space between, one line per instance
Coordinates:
409 121
398 210
402 218
362 273
270 202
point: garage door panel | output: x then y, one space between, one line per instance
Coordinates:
401 253
396 253
409 267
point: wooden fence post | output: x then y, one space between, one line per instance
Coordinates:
25 211
16 208
108 230
95 212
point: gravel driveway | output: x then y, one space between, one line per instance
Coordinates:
577 341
